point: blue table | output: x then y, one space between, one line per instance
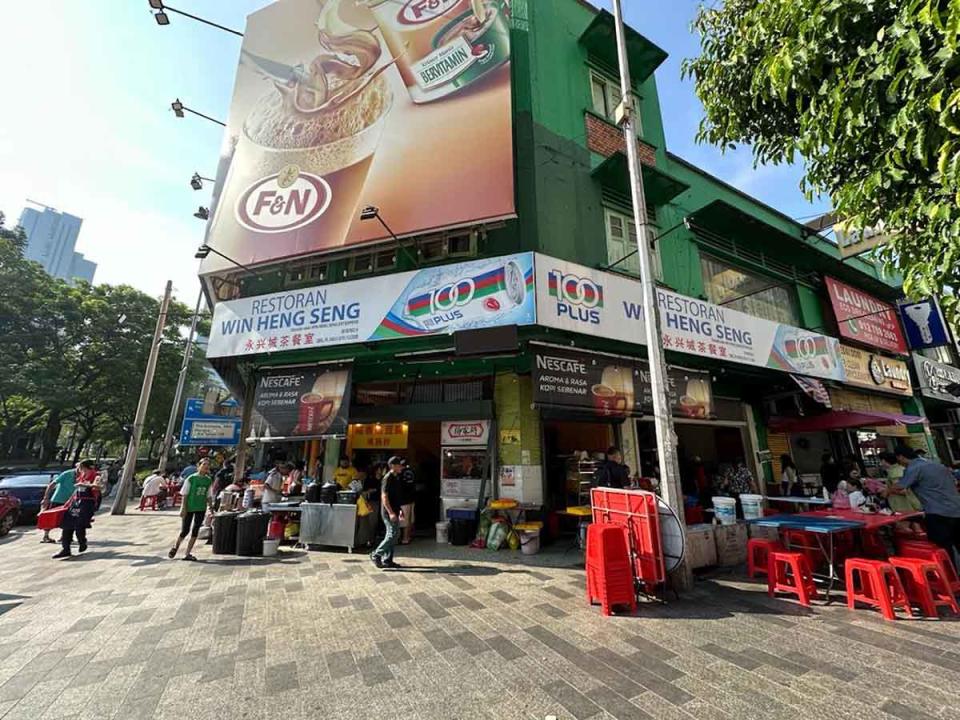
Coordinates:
823 527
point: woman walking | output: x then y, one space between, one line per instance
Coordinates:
196 500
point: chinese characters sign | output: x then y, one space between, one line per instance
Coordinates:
378 436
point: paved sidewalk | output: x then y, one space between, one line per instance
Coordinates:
122 632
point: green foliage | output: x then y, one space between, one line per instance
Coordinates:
75 355
867 92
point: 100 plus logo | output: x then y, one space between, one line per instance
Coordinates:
579 299
286 201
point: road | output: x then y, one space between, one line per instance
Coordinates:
123 632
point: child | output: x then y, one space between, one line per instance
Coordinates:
855 494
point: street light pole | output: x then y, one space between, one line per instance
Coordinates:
178 395
662 416
130 464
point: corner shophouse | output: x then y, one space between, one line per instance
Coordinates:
742 293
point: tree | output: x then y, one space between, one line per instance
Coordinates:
867 93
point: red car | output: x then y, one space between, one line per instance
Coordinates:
9 512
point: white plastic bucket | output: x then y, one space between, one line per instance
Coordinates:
752 506
270 547
725 510
443 532
530 542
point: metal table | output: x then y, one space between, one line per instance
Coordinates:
337 525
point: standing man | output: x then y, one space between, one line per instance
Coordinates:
935 487
390 497
345 474
196 499
273 484
613 473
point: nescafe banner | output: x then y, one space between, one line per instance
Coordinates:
612 387
301 402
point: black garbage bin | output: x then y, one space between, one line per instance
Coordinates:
225 533
251 531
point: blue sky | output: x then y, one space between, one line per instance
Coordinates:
87 128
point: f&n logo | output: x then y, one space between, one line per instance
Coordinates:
421 11
282 202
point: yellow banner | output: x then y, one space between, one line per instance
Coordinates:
378 436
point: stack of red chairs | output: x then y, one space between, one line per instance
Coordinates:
609 572
925 550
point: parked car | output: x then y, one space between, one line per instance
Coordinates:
28 489
9 512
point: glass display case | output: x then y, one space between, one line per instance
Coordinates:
462 470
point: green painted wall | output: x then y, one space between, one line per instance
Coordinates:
513 397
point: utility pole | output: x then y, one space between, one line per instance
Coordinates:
130 464
178 395
662 416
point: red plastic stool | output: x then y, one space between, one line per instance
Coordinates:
905 545
925 584
148 501
804 542
758 550
693 515
938 555
609 571
879 586
798 581
873 546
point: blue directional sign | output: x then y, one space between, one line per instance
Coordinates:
923 323
210 424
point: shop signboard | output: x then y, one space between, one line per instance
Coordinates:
404 105
301 402
588 301
923 323
612 386
695 326
875 372
378 436
432 301
865 319
937 380
465 432
210 423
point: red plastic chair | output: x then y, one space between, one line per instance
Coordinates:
873 546
693 514
926 585
148 501
789 572
875 583
758 551
938 555
609 570
177 499
806 542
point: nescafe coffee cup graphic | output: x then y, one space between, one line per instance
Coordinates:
315 413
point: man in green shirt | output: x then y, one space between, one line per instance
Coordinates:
195 492
61 488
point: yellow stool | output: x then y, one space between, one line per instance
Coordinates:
503 504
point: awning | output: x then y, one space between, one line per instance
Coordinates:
841 419
659 188
600 40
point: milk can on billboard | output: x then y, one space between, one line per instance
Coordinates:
442 46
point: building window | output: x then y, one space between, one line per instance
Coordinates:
748 292
622 242
448 246
373 262
313 273
605 92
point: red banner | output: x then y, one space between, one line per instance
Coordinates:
865 319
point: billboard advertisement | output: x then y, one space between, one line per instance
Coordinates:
302 402
341 104
695 326
462 296
209 423
613 387
923 323
875 372
589 301
865 319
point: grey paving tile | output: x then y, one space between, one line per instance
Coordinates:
393 651
439 639
281 678
617 706
503 596
578 704
551 610
338 601
219 668
86 623
361 603
396 620
891 707
374 670
777 661
558 592
629 680
649 648
429 605
254 647
731 657
469 602
821 666
470 642
341 664
504 648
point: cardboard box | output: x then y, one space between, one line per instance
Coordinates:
701 546
762 532
731 544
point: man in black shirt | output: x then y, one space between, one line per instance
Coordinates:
390 502
613 473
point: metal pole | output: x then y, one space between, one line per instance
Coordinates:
178 395
130 464
240 460
663 419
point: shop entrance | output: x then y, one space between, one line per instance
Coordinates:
573 452
422 453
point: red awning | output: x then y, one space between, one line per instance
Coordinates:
840 419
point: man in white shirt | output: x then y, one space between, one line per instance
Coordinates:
273 483
151 486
